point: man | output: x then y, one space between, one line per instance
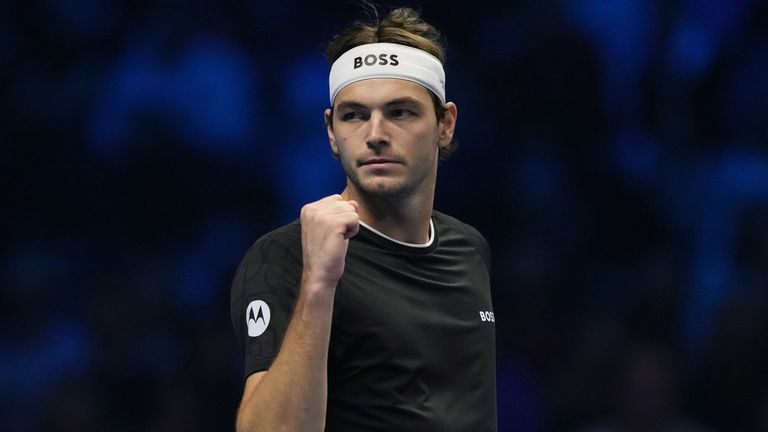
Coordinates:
373 311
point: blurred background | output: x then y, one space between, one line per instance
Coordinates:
614 153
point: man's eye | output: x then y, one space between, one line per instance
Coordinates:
352 115
402 113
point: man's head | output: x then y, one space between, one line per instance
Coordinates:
402 26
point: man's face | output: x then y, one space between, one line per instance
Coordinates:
387 136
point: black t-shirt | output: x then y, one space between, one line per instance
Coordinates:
412 338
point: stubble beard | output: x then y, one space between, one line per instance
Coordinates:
373 187
388 189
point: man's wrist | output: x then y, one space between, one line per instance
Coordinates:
317 286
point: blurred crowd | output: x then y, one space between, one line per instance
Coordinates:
613 153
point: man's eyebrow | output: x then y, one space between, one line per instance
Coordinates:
407 101
350 105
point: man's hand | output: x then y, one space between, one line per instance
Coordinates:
326 227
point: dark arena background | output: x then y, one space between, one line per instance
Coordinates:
614 153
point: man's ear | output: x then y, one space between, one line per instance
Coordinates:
447 125
329 130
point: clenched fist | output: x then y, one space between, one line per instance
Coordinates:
326 227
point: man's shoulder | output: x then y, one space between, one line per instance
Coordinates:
441 218
443 221
284 242
289 232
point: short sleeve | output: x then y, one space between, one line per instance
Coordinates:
263 295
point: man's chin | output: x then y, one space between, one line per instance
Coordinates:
383 189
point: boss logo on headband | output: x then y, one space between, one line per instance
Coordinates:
372 59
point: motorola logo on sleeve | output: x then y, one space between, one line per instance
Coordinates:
372 59
257 316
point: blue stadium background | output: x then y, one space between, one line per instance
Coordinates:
614 153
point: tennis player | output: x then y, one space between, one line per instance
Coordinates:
372 311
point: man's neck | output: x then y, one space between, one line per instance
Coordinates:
404 219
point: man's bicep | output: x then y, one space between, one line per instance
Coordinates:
252 381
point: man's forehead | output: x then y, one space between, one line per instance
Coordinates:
382 90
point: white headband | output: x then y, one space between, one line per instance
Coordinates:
387 60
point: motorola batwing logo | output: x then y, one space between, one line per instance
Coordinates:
257 316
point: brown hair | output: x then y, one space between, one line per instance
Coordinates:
402 26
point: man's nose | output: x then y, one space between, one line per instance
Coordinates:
377 133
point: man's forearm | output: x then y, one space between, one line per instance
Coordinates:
293 394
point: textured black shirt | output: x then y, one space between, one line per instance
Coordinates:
412 337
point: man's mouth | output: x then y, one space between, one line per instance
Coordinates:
378 162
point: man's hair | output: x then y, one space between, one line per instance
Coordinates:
402 26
